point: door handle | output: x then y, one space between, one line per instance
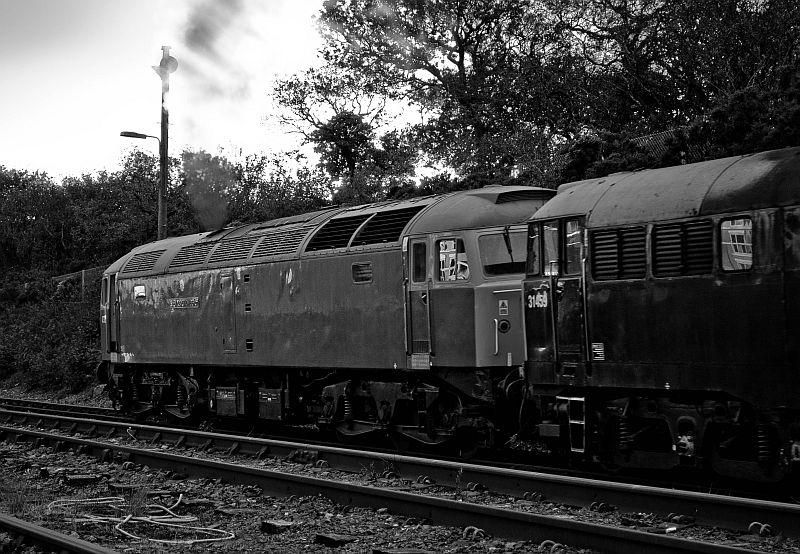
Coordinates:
496 337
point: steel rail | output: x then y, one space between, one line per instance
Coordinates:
54 408
52 539
707 509
439 511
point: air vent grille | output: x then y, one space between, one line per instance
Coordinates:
194 254
233 249
521 195
619 254
387 226
362 272
282 242
683 249
336 233
143 261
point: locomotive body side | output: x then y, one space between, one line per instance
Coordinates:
269 314
662 332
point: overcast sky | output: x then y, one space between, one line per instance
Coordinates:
74 73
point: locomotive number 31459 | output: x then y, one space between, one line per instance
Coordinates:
537 299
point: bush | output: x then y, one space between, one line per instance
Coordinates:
48 343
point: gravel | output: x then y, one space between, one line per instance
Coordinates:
33 478
36 478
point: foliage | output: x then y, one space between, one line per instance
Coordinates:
47 342
50 336
505 89
338 112
469 67
743 122
749 121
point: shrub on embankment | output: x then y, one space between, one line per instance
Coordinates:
50 337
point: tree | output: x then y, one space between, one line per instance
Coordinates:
655 65
489 76
29 216
342 143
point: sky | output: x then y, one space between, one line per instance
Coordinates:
75 73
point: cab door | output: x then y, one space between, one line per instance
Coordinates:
554 302
419 341
570 328
110 314
499 333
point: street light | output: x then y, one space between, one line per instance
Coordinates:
162 189
133 134
167 65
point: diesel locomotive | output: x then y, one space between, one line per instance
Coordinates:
403 318
662 314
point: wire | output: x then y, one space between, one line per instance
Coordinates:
158 515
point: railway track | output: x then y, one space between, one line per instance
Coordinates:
512 459
52 540
231 458
75 410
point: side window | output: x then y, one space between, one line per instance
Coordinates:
736 244
573 249
534 249
419 259
104 293
550 237
453 264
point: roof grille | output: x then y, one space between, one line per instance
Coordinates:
520 195
282 242
386 226
233 249
193 254
336 233
143 261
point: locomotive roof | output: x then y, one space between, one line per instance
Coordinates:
486 207
369 225
718 186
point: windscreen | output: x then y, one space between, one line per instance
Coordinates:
504 252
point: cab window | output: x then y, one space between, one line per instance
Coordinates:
550 236
503 253
534 247
573 247
419 254
453 264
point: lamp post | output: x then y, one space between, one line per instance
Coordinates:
162 188
167 65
